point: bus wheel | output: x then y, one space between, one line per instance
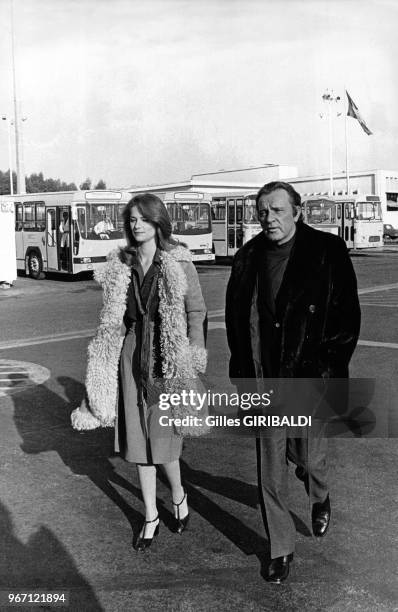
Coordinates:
35 265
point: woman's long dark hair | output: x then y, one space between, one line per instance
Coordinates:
152 208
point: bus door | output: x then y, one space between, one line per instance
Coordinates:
19 236
234 225
64 232
348 224
52 239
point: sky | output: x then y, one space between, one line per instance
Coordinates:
141 92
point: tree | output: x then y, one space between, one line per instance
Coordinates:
86 184
36 183
5 182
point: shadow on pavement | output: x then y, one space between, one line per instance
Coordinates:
41 563
232 528
42 419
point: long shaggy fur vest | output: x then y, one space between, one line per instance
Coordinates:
180 360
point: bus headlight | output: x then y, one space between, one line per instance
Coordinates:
86 259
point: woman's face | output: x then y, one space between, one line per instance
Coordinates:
142 230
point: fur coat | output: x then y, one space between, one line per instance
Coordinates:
182 355
317 309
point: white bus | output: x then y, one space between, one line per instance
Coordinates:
67 232
191 222
356 219
234 219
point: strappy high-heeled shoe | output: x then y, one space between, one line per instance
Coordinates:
142 542
181 523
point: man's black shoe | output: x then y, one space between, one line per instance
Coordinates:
321 517
278 569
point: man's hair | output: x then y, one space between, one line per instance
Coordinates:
295 198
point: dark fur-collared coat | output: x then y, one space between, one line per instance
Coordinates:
317 308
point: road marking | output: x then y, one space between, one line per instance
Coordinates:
88 333
216 313
84 333
217 325
392 345
377 288
17 376
379 305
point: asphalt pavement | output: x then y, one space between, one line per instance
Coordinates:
69 506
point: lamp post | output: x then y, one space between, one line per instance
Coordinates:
9 124
21 185
329 98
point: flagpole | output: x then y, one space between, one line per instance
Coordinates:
21 186
328 97
330 150
347 172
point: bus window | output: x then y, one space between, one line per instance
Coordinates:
51 220
239 211
40 217
219 211
190 218
339 211
18 217
100 221
51 228
239 238
367 210
29 217
203 220
119 217
231 212
319 212
82 221
250 213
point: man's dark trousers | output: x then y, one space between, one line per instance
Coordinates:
273 453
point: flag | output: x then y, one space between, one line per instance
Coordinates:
354 112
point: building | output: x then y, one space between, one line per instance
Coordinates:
236 181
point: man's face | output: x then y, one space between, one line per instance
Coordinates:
276 216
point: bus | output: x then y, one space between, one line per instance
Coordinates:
191 222
234 220
356 219
68 232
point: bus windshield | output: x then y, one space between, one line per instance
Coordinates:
192 218
250 215
100 221
368 211
320 211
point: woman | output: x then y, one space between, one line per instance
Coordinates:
153 287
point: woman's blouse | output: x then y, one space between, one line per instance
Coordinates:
142 295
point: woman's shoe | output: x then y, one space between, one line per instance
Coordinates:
142 542
181 523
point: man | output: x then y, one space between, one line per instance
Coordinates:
104 226
292 311
64 230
